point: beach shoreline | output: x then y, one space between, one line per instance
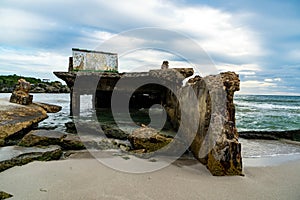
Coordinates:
89 179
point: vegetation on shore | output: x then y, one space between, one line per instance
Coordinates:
8 82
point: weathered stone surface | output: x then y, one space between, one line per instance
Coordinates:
51 137
15 118
73 142
113 132
70 141
21 98
42 138
4 195
173 75
70 127
11 156
91 128
50 108
148 139
216 143
21 93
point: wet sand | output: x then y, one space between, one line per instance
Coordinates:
88 179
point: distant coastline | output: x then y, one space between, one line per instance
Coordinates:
8 82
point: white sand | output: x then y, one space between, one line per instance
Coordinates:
88 179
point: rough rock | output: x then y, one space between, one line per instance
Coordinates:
73 142
37 90
42 138
52 89
173 75
55 87
4 195
113 132
90 127
50 108
11 156
70 127
70 141
217 147
14 119
21 93
148 139
51 137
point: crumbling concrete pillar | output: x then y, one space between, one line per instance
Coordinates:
216 142
75 103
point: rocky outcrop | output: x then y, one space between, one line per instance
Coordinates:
216 142
110 131
11 156
15 119
51 137
21 93
73 142
7 85
148 140
54 87
48 107
70 141
42 138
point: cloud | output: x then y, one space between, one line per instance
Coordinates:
217 31
41 63
244 69
257 87
243 38
147 59
294 55
273 80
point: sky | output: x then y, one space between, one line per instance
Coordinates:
259 40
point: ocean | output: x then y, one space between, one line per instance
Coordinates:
253 113
267 112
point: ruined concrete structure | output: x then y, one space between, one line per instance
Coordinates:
215 143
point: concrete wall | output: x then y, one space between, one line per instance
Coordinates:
94 60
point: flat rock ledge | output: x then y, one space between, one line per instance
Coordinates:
16 120
50 108
52 137
70 141
11 156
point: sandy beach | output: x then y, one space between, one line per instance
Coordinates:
86 178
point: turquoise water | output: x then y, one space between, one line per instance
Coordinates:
266 113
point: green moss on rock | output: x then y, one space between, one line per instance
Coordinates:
4 195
